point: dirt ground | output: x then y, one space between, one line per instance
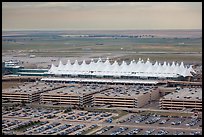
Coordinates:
10 84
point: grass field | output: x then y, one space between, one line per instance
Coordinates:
163 57
108 44
51 45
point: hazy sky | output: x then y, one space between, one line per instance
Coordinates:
101 15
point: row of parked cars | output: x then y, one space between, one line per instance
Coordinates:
58 129
82 132
151 119
134 131
103 130
149 131
141 131
34 113
119 130
164 121
178 121
85 116
35 126
141 118
8 125
72 129
193 122
17 125
46 127
196 133
55 128
162 132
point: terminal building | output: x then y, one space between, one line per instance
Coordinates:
136 85
31 72
181 99
132 73
10 67
13 67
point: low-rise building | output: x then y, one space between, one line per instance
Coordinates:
183 98
74 95
126 96
28 92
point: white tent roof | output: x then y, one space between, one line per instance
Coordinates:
139 68
191 69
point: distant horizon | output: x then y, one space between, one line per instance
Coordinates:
90 29
183 33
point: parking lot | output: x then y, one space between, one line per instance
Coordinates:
41 121
153 125
45 127
75 115
121 130
51 121
158 121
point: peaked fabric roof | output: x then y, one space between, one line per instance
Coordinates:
139 68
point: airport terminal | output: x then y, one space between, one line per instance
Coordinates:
112 68
139 72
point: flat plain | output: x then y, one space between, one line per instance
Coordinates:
114 45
